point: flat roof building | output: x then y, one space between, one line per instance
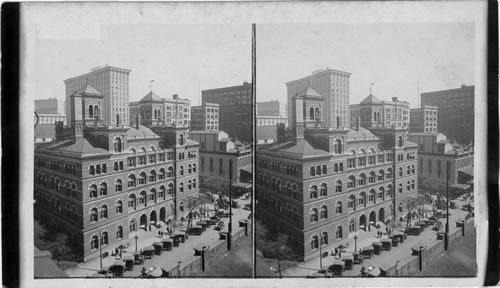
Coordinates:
424 119
205 117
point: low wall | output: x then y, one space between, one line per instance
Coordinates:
212 255
429 254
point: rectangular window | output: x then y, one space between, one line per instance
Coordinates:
351 163
142 160
152 158
161 157
371 160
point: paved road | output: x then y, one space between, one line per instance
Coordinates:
168 259
402 253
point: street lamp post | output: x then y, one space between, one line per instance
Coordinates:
100 248
355 242
320 252
136 237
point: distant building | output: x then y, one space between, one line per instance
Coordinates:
101 185
424 119
266 134
152 110
46 106
456 112
323 183
216 151
268 108
374 113
435 150
205 117
113 83
45 129
333 86
235 109
266 121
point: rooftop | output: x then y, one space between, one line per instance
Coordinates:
151 97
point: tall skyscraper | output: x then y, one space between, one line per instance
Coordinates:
331 84
456 112
113 83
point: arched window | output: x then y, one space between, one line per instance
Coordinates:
324 238
338 208
170 172
371 197
93 191
400 141
380 194
189 184
338 232
170 189
413 169
98 169
181 187
338 146
312 171
96 111
408 186
133 225
143 198
181 170
362 179
323 189
91 170
132 201
316 114
94 242
314 242
336 167
351 202
131 180
181 139
371 177
311 113
194 183
341 166
313 192
352 225
189 168
323 212
400 187
338 186
389 173
400 171
381 175
362 199
388 192
118 185
103 189
194 168
93 215
408 170
119 207
142 178
314 215
103 212
351 181
91 111
152 176
324 169
116 166
104 238
412 184
119 232
152 195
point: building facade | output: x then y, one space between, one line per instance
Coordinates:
435 151
456 112
322 184
235 109
374 113
102 185
266 121
152 110
331 84
205 117
216 151
44 130
113 83
268 108
46 106
424 119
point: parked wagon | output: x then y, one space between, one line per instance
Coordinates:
167 244
420 224
348 260
129 262
400 236
337 268
117 268
158 247
367 252
138 258
358 258
195 230
148 252
181 237
386 244
377 248
394 240
214 220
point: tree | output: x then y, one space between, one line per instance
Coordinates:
272 244
56 243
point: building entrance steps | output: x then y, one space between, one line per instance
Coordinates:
184 252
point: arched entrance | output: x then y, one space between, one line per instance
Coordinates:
152 218
143 224
381 215
373 218
362 222
163 214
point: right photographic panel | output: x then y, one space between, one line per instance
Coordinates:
364 159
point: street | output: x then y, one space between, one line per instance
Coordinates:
168 259
400 254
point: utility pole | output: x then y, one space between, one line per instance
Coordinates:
447 205
100 248
230 228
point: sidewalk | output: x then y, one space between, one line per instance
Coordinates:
401 253
168 259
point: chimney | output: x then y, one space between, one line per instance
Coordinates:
357 123
298 117
394 99
280 132
175 96
137 122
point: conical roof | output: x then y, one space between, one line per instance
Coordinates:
151 97
371 99
89 90
309 92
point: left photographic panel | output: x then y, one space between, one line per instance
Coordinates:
142 157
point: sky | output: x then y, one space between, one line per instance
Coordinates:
181 59
399 58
